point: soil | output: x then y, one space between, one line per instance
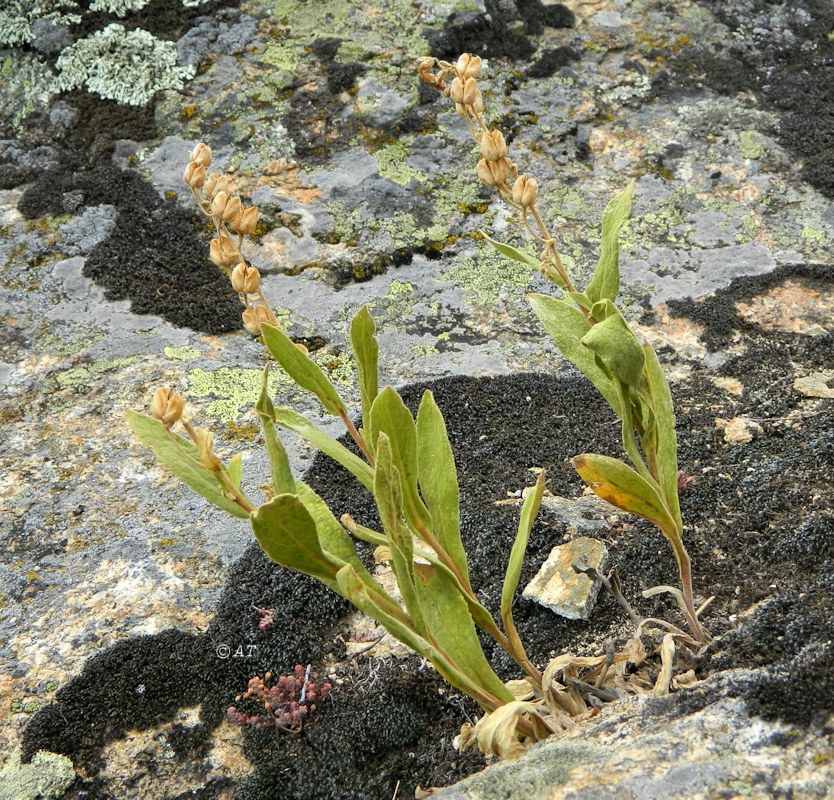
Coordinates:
758 519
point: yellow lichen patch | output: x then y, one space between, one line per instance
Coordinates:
792 307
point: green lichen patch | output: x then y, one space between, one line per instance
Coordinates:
77 377
751 145
489 277
66 344
391 162
184 353
236 389
47 775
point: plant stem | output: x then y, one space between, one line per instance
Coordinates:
357 437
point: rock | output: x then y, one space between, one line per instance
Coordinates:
818 384
560 588
653 748
739 430
585 514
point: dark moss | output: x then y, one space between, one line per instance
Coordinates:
156 256
552 60
12 176
493 34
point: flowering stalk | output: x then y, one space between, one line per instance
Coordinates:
592 333
232 221
495 168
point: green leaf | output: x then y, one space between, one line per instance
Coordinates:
389 500
438 480
605 283
665 440
235 469
566 325
355 591
287 418
287 533
617 347
390 416
366 352
507 250
283 481
303 370
525 524
620 485
581 299
335 542
451 627
182 457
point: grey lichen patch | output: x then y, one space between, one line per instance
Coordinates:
27 86
47 775
544 769
18 16
129 67
120 8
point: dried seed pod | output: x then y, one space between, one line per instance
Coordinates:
194 175
492 173
167 406
201 154
468 66
246 220
232 209
525 191
493 145
215 183
472 96
456 91
218 203
205 440
225 206
223 252
254 317
245 279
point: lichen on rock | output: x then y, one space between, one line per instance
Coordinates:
129 67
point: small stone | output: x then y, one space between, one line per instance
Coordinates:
560 588
586 514
739 430
817 384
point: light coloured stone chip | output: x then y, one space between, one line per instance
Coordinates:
816 384
739 430
560 588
